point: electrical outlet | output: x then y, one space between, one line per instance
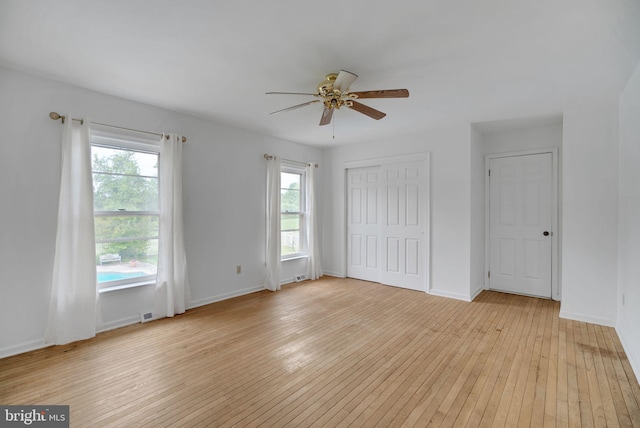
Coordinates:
238 269
299 278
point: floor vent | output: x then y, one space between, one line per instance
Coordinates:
299 278
146 317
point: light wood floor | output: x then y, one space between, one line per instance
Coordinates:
339 352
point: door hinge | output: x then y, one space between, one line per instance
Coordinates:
489 173
489 274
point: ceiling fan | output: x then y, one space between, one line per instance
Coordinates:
334 93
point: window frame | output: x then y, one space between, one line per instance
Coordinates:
130 143
291 168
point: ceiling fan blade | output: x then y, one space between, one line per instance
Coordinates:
344 80
290 93
327 114
371 112
295 107
383 93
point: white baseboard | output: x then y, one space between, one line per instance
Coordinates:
225 296
194 304
476 293
123 322
31 345
450 295
287 281
337 275
634 360
587 318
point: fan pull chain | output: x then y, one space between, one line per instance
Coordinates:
333 126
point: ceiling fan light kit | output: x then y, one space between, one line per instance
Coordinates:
334 93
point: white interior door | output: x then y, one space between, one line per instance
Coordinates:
520 220
403 225
363 223
387 224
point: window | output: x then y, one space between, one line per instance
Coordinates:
126 211
292 215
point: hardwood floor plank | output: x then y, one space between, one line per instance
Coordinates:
597 404
631 402
523 408
583 393
517 373
485 408
360 400
472 380
292 403
377 410
573 390
608 375
433 391
561 363
339 352
488 373
542 387
340 389
423 378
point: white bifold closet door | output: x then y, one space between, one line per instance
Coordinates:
387 224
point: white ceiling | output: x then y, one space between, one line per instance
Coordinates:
462 60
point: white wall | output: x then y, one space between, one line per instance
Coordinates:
590 212
224 197
629 222
450 203
541 136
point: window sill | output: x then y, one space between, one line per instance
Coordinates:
125 286
302 256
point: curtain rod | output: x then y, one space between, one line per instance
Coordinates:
55 116
269 157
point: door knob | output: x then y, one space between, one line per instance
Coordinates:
546 233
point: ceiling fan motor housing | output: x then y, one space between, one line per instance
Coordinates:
326 86
333 98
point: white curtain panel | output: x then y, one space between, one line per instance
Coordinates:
273 250
314 270
73 309
172 288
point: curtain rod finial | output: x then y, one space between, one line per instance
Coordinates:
55 116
